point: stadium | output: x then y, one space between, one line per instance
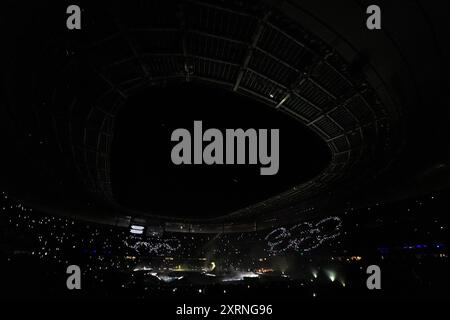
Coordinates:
86 115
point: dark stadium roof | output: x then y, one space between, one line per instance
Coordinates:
284 56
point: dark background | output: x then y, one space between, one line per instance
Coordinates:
398 219
145 178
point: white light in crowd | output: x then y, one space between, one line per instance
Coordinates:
137 229
240 276
142 269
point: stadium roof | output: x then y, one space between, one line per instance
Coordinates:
290 57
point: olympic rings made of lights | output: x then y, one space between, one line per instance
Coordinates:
304 236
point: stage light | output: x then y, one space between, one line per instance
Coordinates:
331 275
